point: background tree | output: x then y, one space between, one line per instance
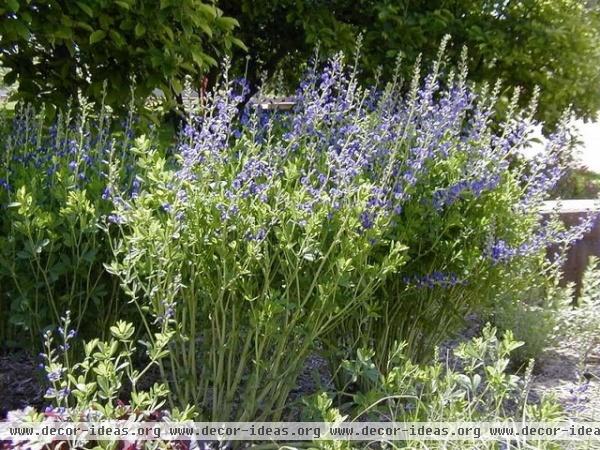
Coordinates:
53 48
551 43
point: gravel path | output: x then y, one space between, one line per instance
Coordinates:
574 383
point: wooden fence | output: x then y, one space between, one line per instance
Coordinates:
571 211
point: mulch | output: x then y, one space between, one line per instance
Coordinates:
20 382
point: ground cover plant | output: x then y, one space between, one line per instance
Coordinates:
365 218
476 386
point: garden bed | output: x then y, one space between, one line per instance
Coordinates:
267 265
557 372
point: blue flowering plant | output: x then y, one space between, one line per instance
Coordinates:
108 368
362 218
247 253
449 177
53 195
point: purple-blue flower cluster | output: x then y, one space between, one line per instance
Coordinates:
546 169
54 356
71 151
205 139
448 196
542 239
434 279
373 152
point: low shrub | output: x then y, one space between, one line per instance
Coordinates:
533 314
471 385
105 385
97 383
361 219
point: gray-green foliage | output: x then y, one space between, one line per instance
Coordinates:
533 315
580 322
546 314
474 385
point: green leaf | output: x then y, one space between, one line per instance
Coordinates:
117 38
204 27
207 9
84 26
64 33
123 5
85 8
169 33
13 5
97 36
202 59
106 21
228 22
19 28
239 43
140 30
176 85
26 17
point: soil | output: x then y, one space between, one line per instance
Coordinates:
20 383
575 383
558 372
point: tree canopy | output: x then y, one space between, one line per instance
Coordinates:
55 48
553 44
